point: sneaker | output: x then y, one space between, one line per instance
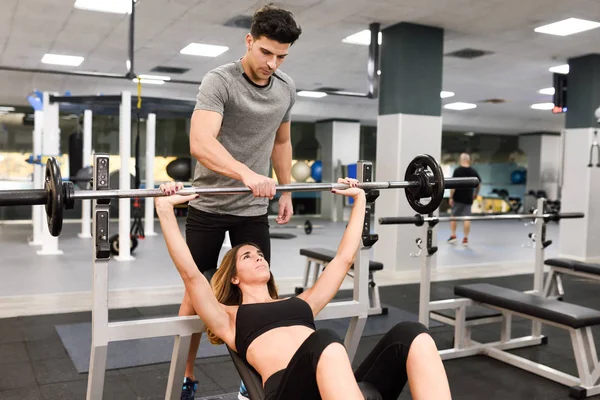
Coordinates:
243 394
465 242
189 389
452 239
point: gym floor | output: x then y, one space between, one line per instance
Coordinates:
35 365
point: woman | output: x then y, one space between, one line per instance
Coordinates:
278 337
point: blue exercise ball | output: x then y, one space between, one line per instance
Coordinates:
316 171
517 177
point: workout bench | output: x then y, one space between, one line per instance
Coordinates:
319 258
553 287
253 381
576 319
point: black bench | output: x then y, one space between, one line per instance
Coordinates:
553 287
253 381
317 260
578 320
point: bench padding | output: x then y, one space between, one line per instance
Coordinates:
546 309
328 255
577 266
255 389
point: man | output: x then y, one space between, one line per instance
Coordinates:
240 122
461 200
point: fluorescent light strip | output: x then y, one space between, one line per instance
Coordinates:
444 94
203 50
459 106
149 81
155 77
108 6
308 93
6 109
543 106
567 27
549 91
362 38
560 69
57 59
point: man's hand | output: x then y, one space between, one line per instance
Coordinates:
286 209
261 186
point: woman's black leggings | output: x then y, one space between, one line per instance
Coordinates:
384 368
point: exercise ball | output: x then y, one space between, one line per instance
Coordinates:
301 171
180 169
518 177
316 171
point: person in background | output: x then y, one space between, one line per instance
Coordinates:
461 200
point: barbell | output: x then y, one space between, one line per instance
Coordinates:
419 220
424 179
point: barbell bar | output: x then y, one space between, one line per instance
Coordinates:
424 179
419 220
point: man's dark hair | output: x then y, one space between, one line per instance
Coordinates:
276 24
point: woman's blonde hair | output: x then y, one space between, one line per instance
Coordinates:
226 292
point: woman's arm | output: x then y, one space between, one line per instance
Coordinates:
329 282
205 303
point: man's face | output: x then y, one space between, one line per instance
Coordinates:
265 55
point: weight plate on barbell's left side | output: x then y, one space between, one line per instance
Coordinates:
428 172
55 205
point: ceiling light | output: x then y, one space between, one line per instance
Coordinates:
109 6
6 109
543 106
378 72
567 27
459 106
204 50
155 77
560 69
444 94
549 91
149 81
363 38
308 93
58 59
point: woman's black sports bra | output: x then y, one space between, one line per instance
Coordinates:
253 320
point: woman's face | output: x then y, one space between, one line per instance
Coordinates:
251 265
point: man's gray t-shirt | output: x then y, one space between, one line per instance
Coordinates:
251 116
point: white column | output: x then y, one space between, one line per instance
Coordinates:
50 147
150 152
578 238
340 144
86 205
37 212
401 137
124 177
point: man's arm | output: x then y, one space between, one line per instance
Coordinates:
282 154
205 147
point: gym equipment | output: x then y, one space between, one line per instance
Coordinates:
300 171
518 177
514 203
114 244
424 174
596 146
180 169
307 226
501 304
105 332
316 171
419 220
